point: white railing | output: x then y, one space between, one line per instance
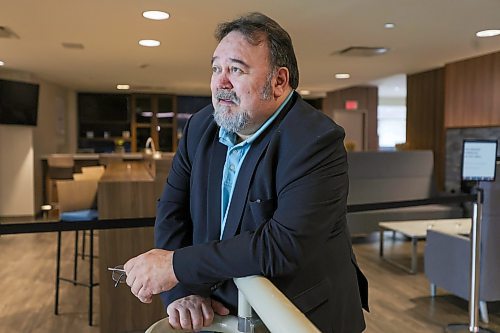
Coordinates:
275 311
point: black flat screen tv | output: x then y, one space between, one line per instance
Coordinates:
18 103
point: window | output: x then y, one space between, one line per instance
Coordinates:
391 126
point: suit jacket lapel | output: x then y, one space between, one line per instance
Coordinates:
242 185
214 189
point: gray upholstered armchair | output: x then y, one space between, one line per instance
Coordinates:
447 256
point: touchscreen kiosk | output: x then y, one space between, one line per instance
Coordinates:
479 160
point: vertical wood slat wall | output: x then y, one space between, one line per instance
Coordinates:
367 98
463 94
425 117
472 92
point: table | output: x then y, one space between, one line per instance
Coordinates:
417 230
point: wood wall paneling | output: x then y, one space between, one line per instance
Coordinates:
472 87
425 114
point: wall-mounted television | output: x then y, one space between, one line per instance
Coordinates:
18 103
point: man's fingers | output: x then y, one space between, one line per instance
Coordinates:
135 288
208 313
196 318
173 318
185 319
144 295
219 308
129 264
192 312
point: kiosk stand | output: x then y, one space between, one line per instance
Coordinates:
478 164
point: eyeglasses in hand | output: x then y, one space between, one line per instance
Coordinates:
118 274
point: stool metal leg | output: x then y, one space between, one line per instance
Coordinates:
91 277
414 258
58 271
75 267
483 312
83 244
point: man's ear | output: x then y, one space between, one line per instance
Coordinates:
281 82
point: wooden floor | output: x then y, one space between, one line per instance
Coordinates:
399 302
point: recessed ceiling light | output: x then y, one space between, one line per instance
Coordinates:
305 92
342 75
122 86
2 63
149 42
156 15
488 33
389 25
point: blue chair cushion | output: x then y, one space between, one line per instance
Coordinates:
80 215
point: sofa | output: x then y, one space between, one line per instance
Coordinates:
447 256
393 176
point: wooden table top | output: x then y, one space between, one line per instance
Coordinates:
418 228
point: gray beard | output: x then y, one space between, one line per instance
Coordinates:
234 122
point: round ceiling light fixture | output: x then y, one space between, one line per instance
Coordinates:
488 33
342 76
149 42
156 15
122 86
2 63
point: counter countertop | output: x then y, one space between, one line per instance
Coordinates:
87 156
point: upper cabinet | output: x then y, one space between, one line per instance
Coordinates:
124 122
154 116
103 120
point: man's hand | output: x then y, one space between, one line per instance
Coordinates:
150 273
194 312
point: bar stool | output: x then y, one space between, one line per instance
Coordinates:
60 166
88 173
77 202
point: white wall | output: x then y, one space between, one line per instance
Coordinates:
17 195
55 133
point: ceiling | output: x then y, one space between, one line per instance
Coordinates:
428 34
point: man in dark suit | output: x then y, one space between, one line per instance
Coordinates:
258 187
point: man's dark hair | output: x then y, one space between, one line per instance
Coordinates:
254 27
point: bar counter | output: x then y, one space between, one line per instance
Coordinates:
127 190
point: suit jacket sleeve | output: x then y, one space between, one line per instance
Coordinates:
173 225
312 184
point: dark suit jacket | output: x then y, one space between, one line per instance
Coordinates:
286 221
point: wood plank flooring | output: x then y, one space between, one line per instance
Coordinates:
399 302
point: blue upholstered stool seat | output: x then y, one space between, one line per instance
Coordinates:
80 215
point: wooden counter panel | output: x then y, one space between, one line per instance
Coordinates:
126 199
120 310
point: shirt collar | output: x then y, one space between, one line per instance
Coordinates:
229 138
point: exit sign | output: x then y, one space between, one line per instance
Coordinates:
351 105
